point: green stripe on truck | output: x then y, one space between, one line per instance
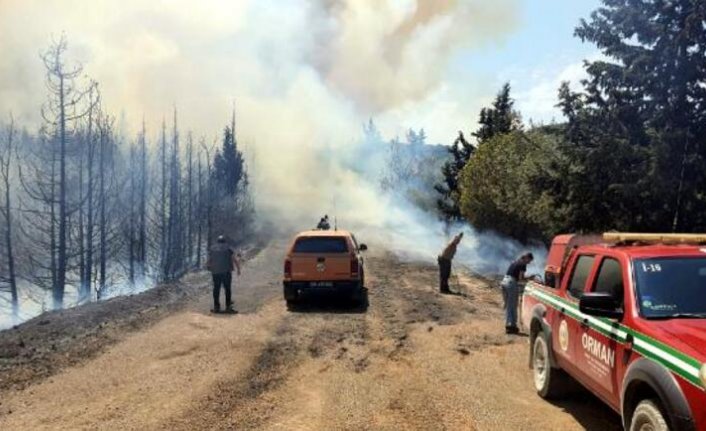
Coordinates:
684 365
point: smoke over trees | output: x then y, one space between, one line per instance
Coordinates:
88 212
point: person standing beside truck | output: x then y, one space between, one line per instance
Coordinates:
444 260
511 290
221 262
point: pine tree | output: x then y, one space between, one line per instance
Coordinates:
637 133
500 119
228 166
461 151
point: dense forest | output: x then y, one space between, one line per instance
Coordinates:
86 209
631 154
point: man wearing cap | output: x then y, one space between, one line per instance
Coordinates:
221 262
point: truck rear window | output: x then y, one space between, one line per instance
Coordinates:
321 244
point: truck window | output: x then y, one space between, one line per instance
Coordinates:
321 244
582 269
671 286
610 279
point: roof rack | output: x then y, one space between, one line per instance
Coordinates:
654 238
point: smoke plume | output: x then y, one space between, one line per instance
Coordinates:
304 76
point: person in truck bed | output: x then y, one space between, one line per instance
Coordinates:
510 286
324 223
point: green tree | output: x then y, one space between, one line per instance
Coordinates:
502 186
637 132
499 119
447 204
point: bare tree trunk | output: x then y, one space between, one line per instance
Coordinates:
61 254
52 230
90 218
190 199
173 258
5 163
199 214
142 252
163 204
101 209
81 227
132 222
87 242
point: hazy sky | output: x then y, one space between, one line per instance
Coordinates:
324 65
305 75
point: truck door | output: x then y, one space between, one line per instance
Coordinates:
567 327
599 348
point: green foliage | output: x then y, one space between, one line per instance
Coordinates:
229 174
498 119
637 133
447 204
632 155
501 187
501 118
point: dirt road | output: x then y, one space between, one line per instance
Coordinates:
412 360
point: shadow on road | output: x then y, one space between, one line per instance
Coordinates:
589 411
331 304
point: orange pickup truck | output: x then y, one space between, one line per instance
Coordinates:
323 261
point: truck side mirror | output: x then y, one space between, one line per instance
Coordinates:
600 304
363 247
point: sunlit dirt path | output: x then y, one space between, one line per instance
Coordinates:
411 360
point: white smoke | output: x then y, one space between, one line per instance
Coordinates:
304 75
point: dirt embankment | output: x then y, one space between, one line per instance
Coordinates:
413 359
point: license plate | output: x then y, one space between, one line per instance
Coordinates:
321 284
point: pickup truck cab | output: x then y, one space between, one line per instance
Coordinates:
324 261
625 316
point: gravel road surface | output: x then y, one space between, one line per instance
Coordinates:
411 360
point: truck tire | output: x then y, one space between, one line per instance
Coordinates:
549 382
648 417
358 296
292 304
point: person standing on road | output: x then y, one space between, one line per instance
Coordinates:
444 260
511 290
221 262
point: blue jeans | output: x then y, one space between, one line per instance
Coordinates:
510 297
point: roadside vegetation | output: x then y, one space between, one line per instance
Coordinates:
630 153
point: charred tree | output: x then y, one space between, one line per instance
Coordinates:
7 155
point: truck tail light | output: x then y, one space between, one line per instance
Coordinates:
287 268
354 267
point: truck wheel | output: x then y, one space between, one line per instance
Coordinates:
548 381
648 417
291 304
358 296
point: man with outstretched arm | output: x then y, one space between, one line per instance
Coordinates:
444 260
221 262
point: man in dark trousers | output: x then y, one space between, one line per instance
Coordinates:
221 262
445 259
